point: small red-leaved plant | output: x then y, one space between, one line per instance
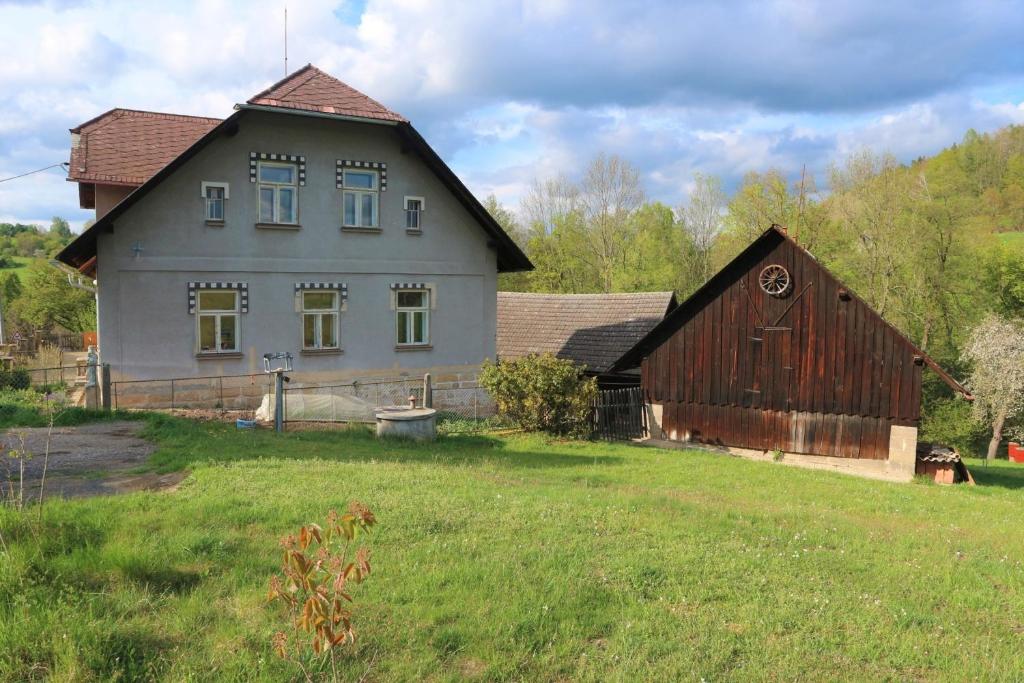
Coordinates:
316 571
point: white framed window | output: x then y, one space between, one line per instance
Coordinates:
412 317
217 321
214 197
279 194
360 198
320 319
414 213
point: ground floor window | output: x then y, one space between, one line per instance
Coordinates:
217 321
320 319
412 317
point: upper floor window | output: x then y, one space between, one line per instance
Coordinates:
217 320
412 320
214 196
278 192
414 213
360 198
320 319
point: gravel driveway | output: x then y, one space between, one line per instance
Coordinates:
85 460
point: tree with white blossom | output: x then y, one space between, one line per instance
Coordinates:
996 352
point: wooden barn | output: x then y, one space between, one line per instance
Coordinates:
775 358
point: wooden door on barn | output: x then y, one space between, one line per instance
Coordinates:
773 324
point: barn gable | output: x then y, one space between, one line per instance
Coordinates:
809 369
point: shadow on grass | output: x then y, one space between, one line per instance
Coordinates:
1002 474
181 443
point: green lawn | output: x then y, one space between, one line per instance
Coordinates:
22 267
1012 238
525 559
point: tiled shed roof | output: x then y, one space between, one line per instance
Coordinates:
594 330
311 89
126 146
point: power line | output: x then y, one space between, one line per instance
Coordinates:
38 170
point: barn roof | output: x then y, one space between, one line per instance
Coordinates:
767 240
590 329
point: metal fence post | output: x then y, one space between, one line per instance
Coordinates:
279 401
105 382
172 394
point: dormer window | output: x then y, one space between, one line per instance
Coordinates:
360 198
214 196
278 192
414 214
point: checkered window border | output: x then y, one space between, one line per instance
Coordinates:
256 157
241 287
340 287
379 166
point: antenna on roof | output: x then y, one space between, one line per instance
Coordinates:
286 40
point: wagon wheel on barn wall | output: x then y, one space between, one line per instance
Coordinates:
775 280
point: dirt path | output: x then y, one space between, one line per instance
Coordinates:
86 460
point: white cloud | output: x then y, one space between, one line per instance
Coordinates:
509 91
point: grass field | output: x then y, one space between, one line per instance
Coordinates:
21 269
520 558
1012 238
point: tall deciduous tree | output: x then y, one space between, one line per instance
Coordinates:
702 218
47 299
996 351
609 194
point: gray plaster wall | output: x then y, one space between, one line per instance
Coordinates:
146 331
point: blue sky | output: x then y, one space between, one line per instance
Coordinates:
509 92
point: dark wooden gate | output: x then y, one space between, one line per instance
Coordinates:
620 414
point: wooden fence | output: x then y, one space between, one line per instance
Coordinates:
620 414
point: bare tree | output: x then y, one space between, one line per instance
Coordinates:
548 201
702 217
996 350
609 194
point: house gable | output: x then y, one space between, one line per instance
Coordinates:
306 95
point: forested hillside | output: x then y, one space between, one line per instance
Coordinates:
933 245
34 295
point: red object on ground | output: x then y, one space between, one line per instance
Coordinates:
1016 452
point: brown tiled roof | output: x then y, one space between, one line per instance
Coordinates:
594 330
311 89
126 146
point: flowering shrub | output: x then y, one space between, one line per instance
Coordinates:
317 571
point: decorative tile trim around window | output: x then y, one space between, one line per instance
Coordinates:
342 164
242 287
340 287
256 157
428 286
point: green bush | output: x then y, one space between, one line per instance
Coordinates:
949 421
15 379
542 394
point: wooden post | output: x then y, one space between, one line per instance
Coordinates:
428 392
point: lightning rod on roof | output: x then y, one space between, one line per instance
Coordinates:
286 40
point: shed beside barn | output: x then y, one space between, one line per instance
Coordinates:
775 357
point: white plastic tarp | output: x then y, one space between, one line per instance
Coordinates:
318 408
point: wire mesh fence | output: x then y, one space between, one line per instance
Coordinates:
60 376
212 392
349 401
